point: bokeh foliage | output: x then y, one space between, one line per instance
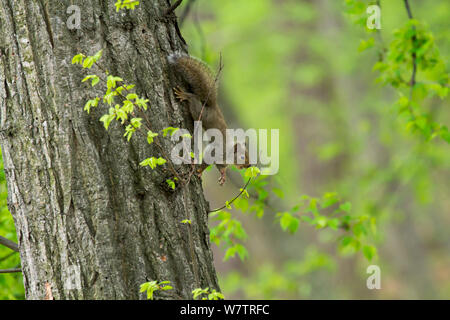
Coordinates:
349 123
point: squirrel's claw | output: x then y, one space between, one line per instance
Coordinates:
180 94
223 176
199 173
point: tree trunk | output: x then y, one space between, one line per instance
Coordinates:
91 223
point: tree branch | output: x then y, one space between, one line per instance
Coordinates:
7 256
235 198
408 9
380 37
186 11
8 243
14 270
173 7
414 38
412 82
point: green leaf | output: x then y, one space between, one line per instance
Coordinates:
150 293
91 103
95 81
111 81
88 62
129 130
132 96
321 222
313 206
150 287
108 98
166 288
231 252
241 251
307 219
170 131
214 295
241 204
120 114
333 223
445 134
98 55
88 77
171 184
278 192
199 291
128 106
152 162
346 207
346 241
244 192
78 59
369 252
289 222
364 45
142 103
160 161
150 136
136 122
106 119
144 287
252 172
127 4
118 5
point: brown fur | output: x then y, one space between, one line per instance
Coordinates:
202 94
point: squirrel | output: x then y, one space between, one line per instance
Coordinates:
201 93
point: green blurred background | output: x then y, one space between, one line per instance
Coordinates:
295 65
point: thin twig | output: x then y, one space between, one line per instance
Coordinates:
200 32
414 39
380 38
7 256
14 270
186 11
215 83
173 7
412 82
10 244
235 198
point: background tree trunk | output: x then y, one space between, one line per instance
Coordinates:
91 223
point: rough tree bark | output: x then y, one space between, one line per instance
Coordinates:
91 223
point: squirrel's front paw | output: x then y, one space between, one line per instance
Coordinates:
223 177
180 94
198 173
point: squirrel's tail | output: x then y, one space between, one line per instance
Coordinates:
196 74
